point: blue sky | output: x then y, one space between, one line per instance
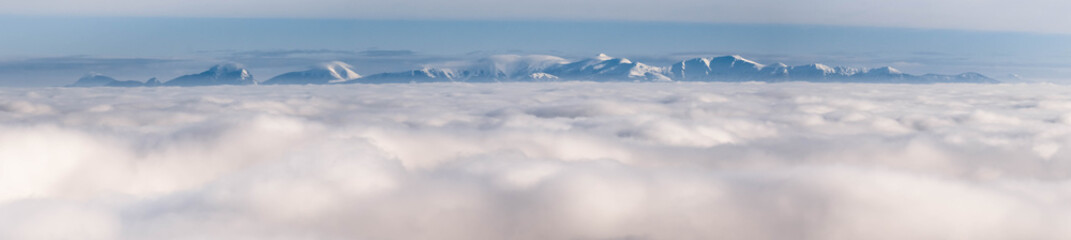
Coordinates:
1022 15
51 46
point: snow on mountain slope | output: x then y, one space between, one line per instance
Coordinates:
506 68
970 77
725 68
817 72
775 72
222 74
736 68
695 69
543 77
606 68
498 68
509 67
330 72
529 68
888 74
422 75
734 65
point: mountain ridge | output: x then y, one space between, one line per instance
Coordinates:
324 73
221 74
541 68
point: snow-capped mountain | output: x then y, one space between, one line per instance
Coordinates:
543 77
964 77
330 72
498 68
222 74
506 68
535 68
606 68
736 68
817 72
726 68
422 75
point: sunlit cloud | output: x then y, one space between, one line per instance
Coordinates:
537 161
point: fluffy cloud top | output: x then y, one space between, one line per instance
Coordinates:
537 161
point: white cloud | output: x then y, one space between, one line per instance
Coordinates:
537 161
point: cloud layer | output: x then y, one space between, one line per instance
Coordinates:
537 161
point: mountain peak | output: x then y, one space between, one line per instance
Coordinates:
340 70
498 68
230 69
92 79
822 67
227 67
323 73
508 67
886 70
736 59
221 74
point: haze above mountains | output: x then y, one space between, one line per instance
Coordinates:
37 52
541 68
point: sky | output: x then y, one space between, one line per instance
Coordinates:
1028 15
52 42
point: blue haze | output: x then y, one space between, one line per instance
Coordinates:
48 51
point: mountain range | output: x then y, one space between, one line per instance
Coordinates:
223 74
327 73
538 68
